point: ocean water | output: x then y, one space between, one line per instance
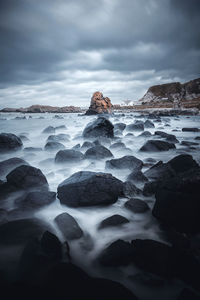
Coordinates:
86 250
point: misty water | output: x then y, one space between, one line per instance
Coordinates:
85 251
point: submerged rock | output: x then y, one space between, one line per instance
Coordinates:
137 126
89 188
136 205
49 129
52 146
98 152
126 162
114 220
9 142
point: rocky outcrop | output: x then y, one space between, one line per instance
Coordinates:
172 92
43 109
99 104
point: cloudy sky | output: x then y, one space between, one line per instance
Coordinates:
58 52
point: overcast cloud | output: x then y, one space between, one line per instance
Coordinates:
59 52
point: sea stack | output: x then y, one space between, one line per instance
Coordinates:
99 105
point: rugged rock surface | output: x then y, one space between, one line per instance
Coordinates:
136 205
35 200
9 142
174 92
99 104
89 188
101 127
10 164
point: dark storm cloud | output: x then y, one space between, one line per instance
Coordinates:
57 45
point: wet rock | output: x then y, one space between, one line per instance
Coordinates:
136 205
99 104
150 188
68 226
23 138
187 143
49 129
160 171
3 216
137 176
156 146
187 294
118 145
169 137
53 146
145 134
194 129
119 253
130 190
60 127
148 124
77 147
119 126
89 188
148 279
98 152
8 165
35 200
126 162
51 245
62 137
99 127
177 202
115 220
137 126
87 145
24 177
10 142
68 156
21 231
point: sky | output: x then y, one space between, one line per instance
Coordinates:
60 52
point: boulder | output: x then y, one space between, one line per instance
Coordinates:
126 162
118 145
177 202
68 156
119 253
8 165
145 134
68 226
101 127
99 104
89 188
137 126
49 129
156 146
24 177
148 124
113 221
10 142
53 146
32 149
169 137
119 126
190 129
136 205
137 176
87 145
98 152
130 190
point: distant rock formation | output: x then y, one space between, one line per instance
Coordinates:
173 92
43 109
99 104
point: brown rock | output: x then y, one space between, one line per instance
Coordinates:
99 104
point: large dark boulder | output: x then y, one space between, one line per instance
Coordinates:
68 226
160 171
115 220
130 189
136 205
68 156
98 152
99 127
8 165
177 202
119 253
169 137
137 176
126 162
9 142
24 177
89 188
156 146
21 231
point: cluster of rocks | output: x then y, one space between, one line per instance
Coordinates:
99 104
